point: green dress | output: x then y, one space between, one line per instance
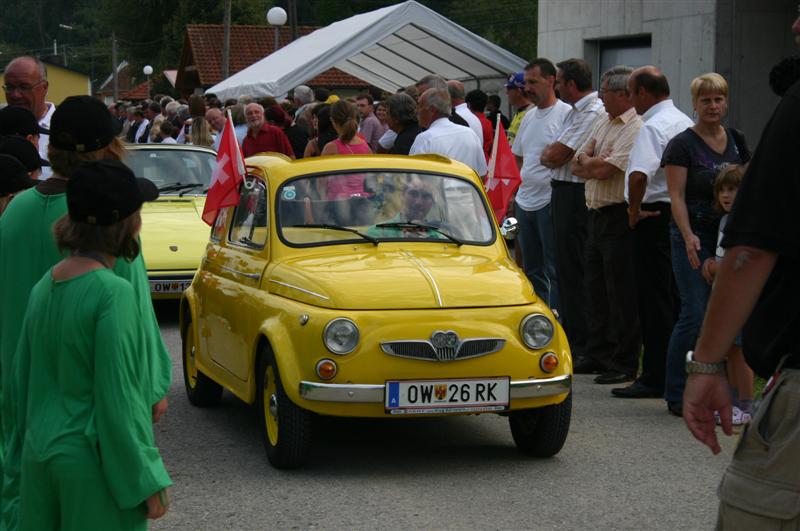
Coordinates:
27 251
82 412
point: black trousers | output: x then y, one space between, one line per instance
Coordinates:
658 296
569 216
613 313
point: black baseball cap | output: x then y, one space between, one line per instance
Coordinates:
82 124
19 148
19 121
13 176
104 192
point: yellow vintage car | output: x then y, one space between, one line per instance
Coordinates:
370 286
174 237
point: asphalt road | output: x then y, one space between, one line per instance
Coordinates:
626 465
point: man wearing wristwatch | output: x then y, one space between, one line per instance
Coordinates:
757 287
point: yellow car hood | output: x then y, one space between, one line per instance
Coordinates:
174 236
401 279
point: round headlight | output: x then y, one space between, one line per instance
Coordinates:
536 330
341 336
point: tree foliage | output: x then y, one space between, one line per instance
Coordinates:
152 31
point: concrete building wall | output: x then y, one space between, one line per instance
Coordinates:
752 36
740 39
681 33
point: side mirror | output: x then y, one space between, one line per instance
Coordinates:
509 228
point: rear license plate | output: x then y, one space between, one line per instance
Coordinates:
169 286
465 395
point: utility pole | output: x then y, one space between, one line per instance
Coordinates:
114 66
293 18
226 40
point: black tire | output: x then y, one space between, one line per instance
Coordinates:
541 432
285 427
201 390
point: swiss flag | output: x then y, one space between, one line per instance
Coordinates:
224 189
502 179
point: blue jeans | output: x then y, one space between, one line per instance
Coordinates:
538 252
694 292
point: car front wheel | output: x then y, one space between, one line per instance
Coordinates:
285 427
541 432
201 390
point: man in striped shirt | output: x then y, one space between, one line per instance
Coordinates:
614 337
568 201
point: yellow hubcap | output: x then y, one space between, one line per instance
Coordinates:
188 359
271 406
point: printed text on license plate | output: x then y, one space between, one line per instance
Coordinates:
169 286
446 396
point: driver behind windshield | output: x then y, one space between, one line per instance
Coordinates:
419 198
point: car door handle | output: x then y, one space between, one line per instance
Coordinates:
253 276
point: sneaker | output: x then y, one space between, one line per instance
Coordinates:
739 417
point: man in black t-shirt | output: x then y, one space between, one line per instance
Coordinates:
758 287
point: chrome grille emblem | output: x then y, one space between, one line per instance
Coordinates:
445 344
442 346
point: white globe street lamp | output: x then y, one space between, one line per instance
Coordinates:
277 17
148 70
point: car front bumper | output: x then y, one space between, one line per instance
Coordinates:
374 393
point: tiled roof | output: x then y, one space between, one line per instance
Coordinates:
249 44
137 93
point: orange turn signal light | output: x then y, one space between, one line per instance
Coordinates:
548 362
326 369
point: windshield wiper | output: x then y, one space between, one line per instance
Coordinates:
174 187
414 224
185 188
367 237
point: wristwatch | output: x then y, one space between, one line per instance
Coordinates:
697 367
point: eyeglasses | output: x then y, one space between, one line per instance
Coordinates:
23 88
417 194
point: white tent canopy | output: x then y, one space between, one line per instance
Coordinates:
391 47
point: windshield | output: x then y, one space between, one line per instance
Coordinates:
174 172
382 206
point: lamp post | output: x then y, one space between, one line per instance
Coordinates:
148 70
276 16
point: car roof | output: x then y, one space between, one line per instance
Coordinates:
169 147
279 168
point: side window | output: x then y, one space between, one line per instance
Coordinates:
249 226
219 225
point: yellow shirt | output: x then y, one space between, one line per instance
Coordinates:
614 135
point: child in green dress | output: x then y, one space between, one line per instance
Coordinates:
81 395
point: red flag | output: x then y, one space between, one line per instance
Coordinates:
224 188
502 179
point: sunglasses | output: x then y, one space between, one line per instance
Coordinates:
417 194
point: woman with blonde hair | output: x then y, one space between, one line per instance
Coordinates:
201 132
692 161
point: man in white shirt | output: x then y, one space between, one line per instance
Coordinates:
649 217
25 85
141 123
539 127
457 95
443 137
568 201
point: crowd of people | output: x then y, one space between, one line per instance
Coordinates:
622 210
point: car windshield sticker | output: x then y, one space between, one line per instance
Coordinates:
289 193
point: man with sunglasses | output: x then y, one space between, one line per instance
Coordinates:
26 86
